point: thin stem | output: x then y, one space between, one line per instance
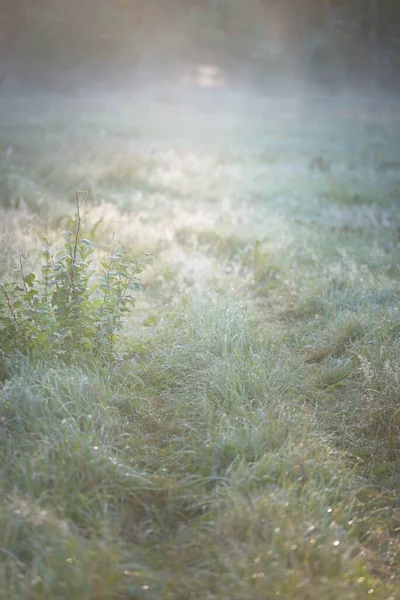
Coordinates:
21 266
9 304
75 249
46 277
27 292
78 227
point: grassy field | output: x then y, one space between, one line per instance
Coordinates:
244 443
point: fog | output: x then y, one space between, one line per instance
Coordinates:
211 76
263 47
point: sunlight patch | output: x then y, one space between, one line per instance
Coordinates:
205 76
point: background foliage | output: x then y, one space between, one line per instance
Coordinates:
328 41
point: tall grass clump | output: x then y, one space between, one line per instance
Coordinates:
68 307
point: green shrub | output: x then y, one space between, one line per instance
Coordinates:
69 309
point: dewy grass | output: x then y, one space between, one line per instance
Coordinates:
243 442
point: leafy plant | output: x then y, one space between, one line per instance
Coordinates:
70 308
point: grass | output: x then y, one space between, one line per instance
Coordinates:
245 443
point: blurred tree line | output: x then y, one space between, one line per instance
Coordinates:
328 41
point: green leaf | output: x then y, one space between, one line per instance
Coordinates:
42 338
86 343
29 279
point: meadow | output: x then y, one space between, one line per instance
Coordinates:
241 439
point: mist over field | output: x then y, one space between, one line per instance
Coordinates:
199 300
